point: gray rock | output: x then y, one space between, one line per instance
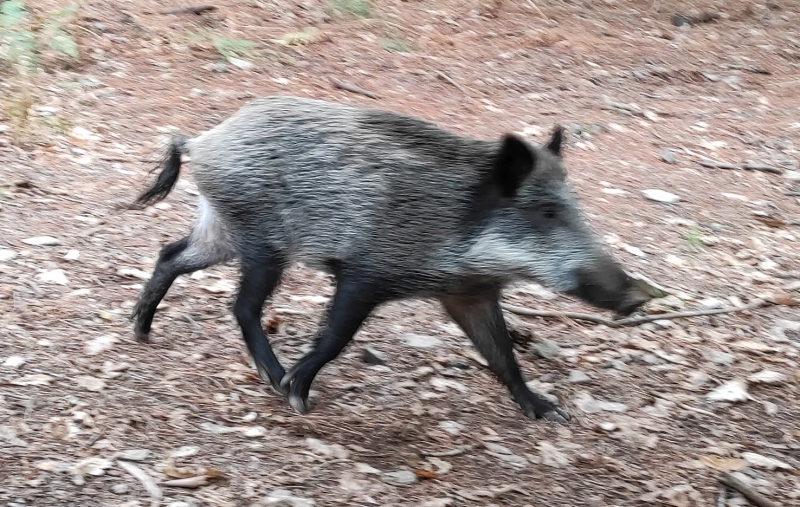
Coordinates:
718 357
7 255
579 377
285 498
120 489
400 478
785 330
42 241
656 195
546 349
135 454
373 356
668 156
615 364
220 68
421 341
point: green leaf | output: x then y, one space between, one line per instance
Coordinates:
12 12
63 43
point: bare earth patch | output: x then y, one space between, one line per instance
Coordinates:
89 417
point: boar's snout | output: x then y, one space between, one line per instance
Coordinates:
606 285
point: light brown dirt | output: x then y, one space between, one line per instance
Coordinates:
512 70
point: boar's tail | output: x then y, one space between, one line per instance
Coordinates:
170 169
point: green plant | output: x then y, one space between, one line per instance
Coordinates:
233 48
358 8
22 40
693 237
395 44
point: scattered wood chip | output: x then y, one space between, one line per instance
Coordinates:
142 476
349 87
743 167
750 493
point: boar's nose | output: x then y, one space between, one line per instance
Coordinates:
606 285
632 302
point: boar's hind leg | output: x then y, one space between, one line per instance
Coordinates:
352 304
480 317
183 256
259 279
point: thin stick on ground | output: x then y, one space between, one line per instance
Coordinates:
453 452
349 87
632 321
192 10
751 494
450 80
745 167
537 9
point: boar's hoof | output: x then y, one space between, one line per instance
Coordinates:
141 336
300 404
557 415
277 386
536 407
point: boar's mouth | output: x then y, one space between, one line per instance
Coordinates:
609 289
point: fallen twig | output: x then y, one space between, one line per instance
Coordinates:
348 87
142 476
632 321
745 167
537 9
751 494
792 194
188 482
450 80
452 452
192 10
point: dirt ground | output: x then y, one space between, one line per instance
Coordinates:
89 417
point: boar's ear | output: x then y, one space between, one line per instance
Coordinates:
514 163
554 146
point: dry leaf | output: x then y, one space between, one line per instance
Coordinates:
310 35
426 474
90 383
784 299
723 464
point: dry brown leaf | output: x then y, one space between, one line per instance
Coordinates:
426 474
723 464
784 299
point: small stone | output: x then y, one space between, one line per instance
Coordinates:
373 356
757 460
732 391
220 68
579 377
56 276
767 377
120 489
615 364
451 427
135 454
717 357
792 175
589 404
712 303
285 498
785 330
6 255
254 432
72 255
660 196
421 341
14 362
400 478
42 241
242 64
546 349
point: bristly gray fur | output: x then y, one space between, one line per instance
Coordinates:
387 194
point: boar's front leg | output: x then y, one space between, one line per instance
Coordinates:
480 317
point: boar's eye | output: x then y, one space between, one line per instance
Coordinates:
549 210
